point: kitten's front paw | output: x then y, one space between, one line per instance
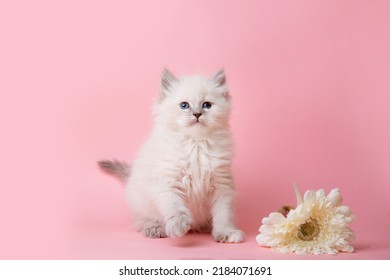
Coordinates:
229 236
154 231
178 225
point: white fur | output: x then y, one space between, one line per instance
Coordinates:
182 179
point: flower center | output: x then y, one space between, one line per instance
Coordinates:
309 230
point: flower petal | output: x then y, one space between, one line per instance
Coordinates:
284 250
345 248
320 194
309 197
273 218
334 198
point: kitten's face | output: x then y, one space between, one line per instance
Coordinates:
193 105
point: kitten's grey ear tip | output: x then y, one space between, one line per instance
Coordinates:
166 70
220 77
167 74
220 73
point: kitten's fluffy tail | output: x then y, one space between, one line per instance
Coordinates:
119 169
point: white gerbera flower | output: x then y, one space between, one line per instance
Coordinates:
318 225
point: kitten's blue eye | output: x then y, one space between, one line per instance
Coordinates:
206 105
184 105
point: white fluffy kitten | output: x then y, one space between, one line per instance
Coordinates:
182 179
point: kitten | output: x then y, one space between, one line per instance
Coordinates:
182 179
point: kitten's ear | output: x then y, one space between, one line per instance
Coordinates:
167 80
220 80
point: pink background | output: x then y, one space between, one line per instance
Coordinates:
311 95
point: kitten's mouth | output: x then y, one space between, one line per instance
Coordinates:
196 122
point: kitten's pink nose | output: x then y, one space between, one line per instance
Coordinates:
197 115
